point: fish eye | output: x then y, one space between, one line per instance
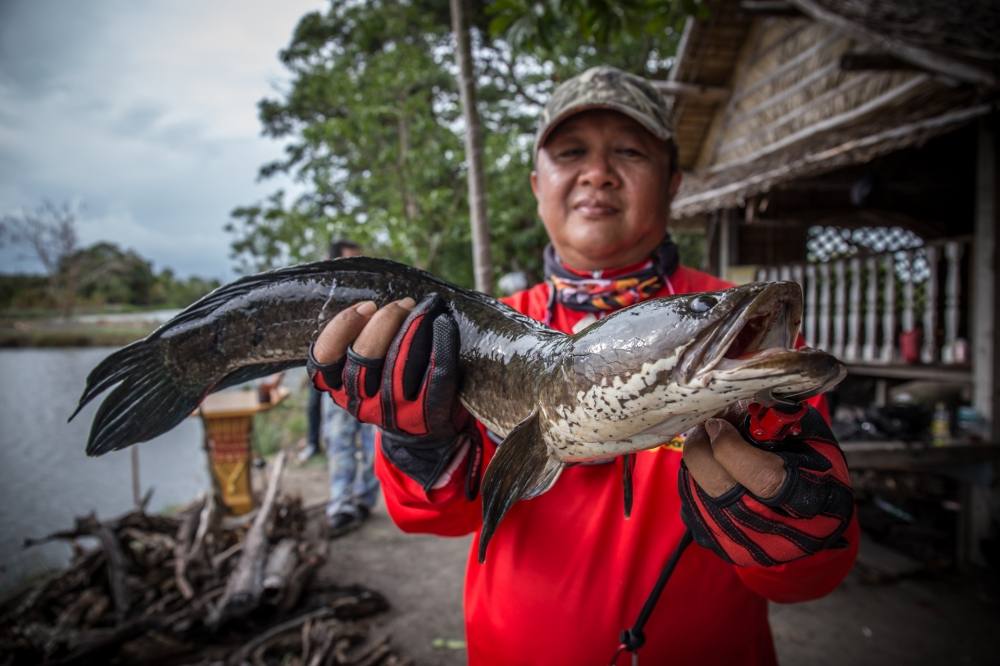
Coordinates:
702 303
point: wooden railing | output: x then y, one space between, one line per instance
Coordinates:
903 307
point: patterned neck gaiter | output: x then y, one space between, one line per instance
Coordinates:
607 291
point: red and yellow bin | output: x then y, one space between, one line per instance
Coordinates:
228 422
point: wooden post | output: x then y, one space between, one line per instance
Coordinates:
136 486
853 348
889 314
728 234
839 308
952 285
797 275
823 338
810 332
909 316
986 304
871 310
929 352
482 261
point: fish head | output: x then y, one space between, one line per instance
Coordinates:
648 372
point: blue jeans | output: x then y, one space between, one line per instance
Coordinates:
350 451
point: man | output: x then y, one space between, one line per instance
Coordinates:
567 571
350 447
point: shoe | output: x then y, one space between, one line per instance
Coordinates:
307 452
340 524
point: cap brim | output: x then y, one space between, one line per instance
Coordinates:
609 106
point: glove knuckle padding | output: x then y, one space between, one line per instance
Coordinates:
361 380
418 392
442 375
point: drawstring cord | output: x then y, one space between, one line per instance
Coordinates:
632 639
628 461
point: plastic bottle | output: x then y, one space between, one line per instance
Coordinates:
940 425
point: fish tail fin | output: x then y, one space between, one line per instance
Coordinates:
148 400
521 469
145 403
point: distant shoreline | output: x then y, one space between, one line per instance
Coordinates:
27 334
110 328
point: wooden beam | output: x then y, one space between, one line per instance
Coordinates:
936 62
764 8
986 304
854 61
693 91
784 171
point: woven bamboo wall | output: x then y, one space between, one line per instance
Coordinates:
787 81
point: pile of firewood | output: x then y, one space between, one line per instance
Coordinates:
194 589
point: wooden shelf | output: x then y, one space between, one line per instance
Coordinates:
901 456
943 373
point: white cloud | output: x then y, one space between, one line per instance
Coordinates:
146 112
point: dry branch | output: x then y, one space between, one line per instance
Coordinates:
171 575
246 583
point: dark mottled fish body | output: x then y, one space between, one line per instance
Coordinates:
626 383
263 323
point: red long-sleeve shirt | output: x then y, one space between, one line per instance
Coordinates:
566 571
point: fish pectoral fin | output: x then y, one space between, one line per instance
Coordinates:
547 479
521 469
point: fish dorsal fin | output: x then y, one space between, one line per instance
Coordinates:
521 469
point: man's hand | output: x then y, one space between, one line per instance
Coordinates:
397 368
766 499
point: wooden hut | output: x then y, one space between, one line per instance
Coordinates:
852 146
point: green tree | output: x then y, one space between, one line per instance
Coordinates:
373 124
50 232
109 274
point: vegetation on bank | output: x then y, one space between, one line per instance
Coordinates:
283 426
102 277
20 333
37 309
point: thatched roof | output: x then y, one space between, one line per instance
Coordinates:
960 37
791 106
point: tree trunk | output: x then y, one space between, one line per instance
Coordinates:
481 260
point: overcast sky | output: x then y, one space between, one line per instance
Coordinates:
145 113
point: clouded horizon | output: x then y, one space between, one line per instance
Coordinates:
145 115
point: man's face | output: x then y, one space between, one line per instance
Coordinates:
603 187
350 252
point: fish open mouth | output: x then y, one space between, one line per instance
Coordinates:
764 322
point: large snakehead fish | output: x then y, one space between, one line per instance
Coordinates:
626 383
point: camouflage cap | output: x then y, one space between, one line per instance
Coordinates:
606 87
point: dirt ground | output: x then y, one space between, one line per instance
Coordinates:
941 620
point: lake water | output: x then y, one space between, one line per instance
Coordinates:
46 479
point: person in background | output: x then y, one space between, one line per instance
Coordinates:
350 447
766 497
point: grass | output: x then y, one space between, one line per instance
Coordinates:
282 426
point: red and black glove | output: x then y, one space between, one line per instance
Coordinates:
810 511
411 394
